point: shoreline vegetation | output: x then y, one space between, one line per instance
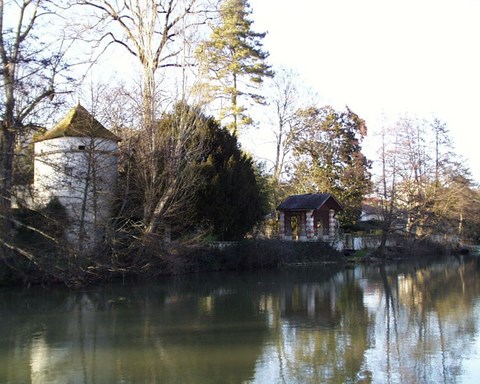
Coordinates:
180 259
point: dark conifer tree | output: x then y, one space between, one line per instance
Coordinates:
232 200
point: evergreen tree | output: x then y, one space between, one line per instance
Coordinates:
234 53
328 150
232 199
205 178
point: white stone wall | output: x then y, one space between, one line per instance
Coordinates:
82 174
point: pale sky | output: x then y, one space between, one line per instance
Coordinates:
385 57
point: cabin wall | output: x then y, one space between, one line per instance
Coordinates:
308 225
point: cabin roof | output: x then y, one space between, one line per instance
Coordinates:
309 201
78 123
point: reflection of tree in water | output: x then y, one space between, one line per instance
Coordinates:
322 331
214 338
188 333
425 322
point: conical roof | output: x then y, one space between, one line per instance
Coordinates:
78 123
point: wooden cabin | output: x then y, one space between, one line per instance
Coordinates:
309 217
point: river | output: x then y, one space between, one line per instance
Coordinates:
397 323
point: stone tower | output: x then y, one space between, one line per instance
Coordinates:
76 162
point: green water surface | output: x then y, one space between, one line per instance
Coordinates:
362 324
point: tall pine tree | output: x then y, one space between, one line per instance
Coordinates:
234 63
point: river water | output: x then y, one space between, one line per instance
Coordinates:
362 324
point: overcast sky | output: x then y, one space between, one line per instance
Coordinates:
385 57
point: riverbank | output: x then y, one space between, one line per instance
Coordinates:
179 258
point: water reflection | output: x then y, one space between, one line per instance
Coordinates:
320 334
375 324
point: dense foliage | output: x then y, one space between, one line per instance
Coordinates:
211 183
231 199
329 158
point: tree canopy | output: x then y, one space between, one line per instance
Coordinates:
329 158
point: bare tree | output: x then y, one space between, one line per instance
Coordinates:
285 101
170 187
423 183
31 68
154 32
416 170
387 184
117 108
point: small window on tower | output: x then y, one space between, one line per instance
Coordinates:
68 170
81 147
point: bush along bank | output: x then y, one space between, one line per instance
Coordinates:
105 265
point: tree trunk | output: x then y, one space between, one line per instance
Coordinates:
7 146
235 106
383 243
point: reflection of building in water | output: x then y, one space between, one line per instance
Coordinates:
321 330
347 326
74 349
212 336
407 290
45 361
311 304
40 359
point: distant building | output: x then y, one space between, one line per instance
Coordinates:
309 217
372 210
76 162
